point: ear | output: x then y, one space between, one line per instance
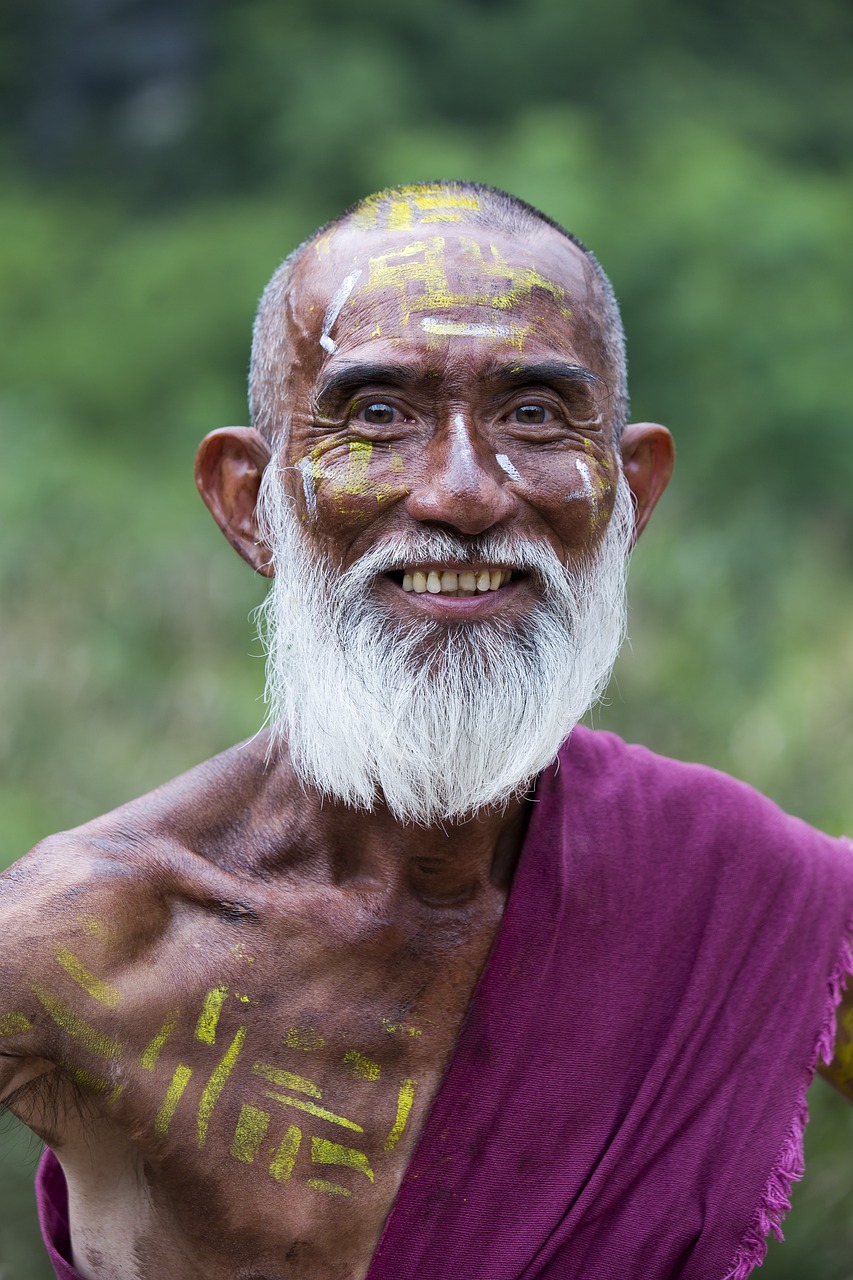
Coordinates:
228 469
648 456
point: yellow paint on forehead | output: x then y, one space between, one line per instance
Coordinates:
436 203
418 272
285 1157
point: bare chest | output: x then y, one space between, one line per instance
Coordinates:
257 1093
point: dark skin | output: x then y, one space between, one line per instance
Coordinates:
227 1006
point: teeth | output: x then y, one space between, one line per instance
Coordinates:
450 582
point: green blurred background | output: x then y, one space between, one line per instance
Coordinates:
159 157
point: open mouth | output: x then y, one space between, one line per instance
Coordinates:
438 581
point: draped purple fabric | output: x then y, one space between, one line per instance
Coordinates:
626 1096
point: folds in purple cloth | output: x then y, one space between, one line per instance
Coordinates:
627 1095
52 1199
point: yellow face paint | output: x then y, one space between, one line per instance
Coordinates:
101 991
70 1022
180 1079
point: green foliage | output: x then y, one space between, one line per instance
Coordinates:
703 151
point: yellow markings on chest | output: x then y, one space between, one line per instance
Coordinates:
254 1125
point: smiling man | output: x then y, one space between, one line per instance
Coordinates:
424 981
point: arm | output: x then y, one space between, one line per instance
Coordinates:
839 1072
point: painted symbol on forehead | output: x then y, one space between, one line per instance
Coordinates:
333 310
418 271
513 334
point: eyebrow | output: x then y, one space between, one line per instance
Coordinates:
349 378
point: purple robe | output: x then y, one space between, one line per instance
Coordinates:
627 1093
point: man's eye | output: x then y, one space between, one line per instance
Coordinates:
378 414
531 415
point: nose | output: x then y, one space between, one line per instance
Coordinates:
461 486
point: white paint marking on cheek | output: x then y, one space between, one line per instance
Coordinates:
304 467
334 309
504 463
588 486
457 329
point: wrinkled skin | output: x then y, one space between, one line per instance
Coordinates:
226 1006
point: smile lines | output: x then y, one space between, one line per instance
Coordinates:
449 582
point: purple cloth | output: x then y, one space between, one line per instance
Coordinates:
627 1094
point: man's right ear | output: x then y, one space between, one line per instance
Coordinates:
228 469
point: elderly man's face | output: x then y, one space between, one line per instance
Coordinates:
453 377
444 512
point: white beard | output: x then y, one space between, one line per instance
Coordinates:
438 720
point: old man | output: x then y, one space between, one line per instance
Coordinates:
424 981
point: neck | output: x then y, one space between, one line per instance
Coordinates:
443 865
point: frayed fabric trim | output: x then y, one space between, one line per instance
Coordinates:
790 1165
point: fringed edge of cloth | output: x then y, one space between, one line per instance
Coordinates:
790 1164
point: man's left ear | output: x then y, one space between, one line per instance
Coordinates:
648 456
228 469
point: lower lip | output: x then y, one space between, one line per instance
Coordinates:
458 606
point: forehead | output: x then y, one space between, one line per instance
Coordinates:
431 282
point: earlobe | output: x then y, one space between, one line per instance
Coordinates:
648 456
228 469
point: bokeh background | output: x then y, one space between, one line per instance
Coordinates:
159 157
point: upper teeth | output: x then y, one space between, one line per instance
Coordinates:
447 582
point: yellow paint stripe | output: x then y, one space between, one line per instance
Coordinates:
151 1052
333 1188
12 1023
250 1133
216 1084
180 1080
320 1112
323 1152
405 1098
287 1080
84 1078
285 1157
208 1019
101 991
70 1022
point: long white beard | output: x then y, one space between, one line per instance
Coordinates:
436 719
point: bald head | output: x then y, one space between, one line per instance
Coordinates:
305 296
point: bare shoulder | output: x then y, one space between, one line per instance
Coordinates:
92 908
